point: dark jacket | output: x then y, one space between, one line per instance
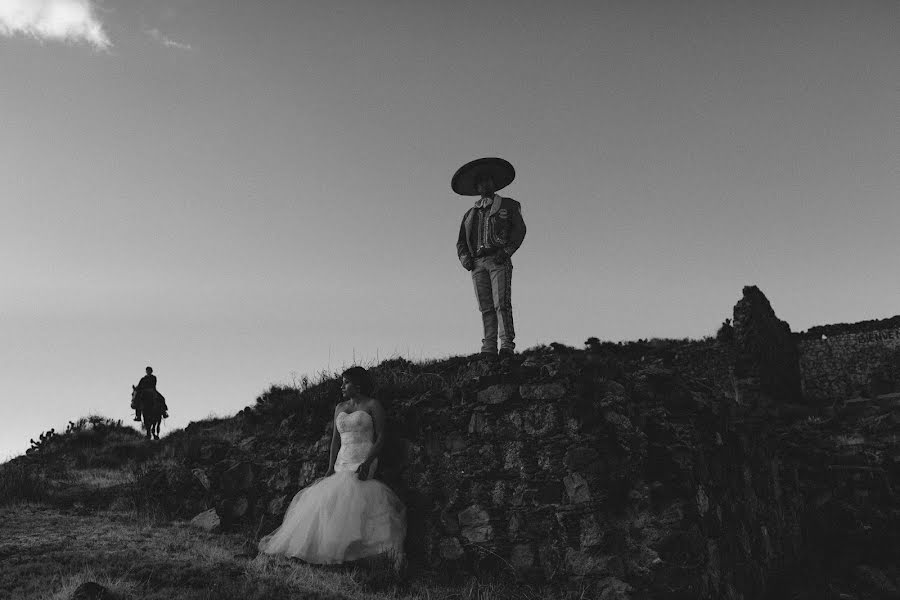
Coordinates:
147 382
506 229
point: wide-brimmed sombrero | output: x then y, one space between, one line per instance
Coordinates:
499 170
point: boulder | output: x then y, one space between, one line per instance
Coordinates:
612 588
91 590
497 394
208 520
230 509
201 476
767 364
475 524
576 488
238 478
450 549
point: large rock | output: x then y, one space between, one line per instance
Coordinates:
475 523
230 509
767 361
614 589
450 549
208 520
202 478
238 478
576 488
91 590
497 394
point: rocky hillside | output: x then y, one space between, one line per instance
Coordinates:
653 469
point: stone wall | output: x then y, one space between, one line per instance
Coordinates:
845 363
647 485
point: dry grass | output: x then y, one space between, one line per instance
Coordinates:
226 428
381 582
118 586
100 477
23 482
47 553
56 551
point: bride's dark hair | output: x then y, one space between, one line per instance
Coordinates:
361 378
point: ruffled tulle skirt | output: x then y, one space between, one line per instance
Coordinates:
340 519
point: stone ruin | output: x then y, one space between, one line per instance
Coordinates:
689 470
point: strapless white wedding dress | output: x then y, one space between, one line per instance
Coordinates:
340 518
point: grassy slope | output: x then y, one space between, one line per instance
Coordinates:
46 552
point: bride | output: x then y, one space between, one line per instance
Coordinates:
347 515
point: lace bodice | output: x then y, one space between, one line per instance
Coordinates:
357 436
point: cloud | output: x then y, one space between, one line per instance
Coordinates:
157 35
56 20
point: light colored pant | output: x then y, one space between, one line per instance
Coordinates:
493 283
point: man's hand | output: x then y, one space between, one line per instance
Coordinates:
363 470
468 263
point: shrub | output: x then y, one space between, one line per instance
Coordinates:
21 481
725 334
314 404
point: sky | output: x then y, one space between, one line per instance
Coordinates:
241 193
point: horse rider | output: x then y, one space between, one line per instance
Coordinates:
147 382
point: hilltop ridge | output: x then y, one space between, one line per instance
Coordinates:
650 469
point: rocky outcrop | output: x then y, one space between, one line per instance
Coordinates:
208 520
91 590
766 367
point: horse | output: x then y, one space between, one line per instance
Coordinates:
150 404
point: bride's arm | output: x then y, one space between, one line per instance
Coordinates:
335 443
378 417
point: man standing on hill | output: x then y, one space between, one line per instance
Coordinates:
147 382
490 232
